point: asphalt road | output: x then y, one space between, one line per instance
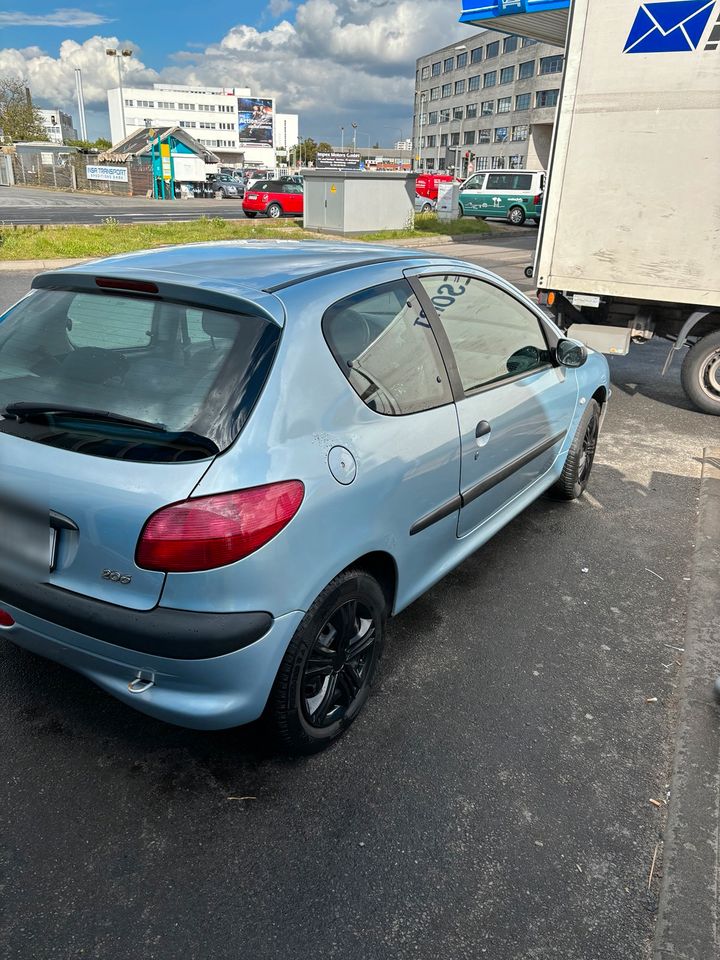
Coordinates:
29 205
492 801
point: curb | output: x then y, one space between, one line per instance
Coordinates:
18 265
688 911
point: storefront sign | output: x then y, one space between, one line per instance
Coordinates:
118 174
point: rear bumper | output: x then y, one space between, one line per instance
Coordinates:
205 694
162 631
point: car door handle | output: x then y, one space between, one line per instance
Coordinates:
482 429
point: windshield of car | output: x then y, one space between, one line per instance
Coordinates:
130 376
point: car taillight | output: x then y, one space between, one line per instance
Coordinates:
537 199
208 532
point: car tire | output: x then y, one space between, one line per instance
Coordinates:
528 272
516 216
220 195
426 208
274 211
250 214
700 373
581 455
319 689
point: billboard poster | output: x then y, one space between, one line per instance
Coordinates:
338 161
255 121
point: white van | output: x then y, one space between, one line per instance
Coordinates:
515 195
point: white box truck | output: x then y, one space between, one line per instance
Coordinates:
629 242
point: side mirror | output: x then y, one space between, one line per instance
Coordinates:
571 353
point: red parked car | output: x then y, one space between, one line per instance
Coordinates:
274 198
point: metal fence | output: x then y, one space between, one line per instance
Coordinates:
44 169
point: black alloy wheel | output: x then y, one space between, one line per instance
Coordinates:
587 450
338 664
327 672
576 473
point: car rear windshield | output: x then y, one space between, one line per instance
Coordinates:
185 378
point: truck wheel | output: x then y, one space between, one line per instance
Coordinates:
700 373
576 472
516 215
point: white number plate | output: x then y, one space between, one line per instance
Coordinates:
585 300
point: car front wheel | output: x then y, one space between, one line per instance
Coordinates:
581 455
516 215
274 211
328 669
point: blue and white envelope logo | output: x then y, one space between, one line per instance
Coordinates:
669 26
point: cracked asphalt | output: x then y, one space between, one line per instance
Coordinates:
492 800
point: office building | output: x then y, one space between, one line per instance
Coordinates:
486 103
58 125
240 129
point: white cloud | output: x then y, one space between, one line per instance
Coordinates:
64 17
278 7
331 61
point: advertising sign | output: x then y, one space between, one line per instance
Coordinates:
338 161
165 160
255 121
119 174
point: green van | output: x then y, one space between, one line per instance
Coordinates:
514 195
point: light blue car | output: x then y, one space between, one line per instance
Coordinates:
223 466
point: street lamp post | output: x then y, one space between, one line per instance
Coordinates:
354 130
119 54
342 138
418 152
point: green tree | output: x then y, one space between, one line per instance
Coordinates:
19 119
324 147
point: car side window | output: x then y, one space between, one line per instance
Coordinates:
116 323
474 183
384 345
492 335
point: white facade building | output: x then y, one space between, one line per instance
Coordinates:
58 125
210 114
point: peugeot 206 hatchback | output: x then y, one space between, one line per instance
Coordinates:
223 466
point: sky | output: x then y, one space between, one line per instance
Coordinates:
334 62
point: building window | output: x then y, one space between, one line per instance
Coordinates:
490 79
188 123
457 113
528 42
461 60
435 93
448 64
498 163
501 134
487 108
129 103
435 69
476 55
484 136
459 86
443 139
471 111
454 139
186 106
510 44
447 90
507 74
492 49
164 105
431 140
546 98
432 117
522 102
526 70
146 103
551 64
504 105
445 115
422 143
474 83
441 163
520 132
425 73
469 137
516 161
482 163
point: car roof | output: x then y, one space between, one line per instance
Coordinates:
261 265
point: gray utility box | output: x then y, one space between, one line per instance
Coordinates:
354 201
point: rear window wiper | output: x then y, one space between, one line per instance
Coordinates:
27 410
